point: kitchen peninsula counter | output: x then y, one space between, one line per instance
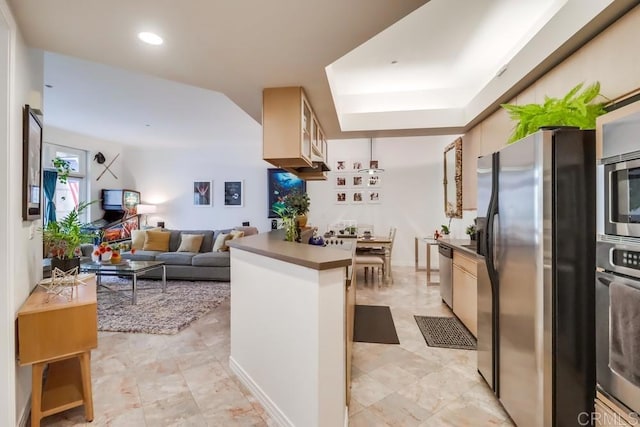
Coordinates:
467 246
288 327
273 245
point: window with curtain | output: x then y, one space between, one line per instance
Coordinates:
67 196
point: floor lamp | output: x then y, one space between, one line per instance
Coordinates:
146 210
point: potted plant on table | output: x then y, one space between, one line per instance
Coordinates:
574 109
62 239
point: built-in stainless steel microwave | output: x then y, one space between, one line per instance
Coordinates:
622 198
618 141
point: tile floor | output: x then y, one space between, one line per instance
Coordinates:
185 380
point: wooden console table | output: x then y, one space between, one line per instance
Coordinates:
59 334
428 243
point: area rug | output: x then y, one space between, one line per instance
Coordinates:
156 312
446 332
374 323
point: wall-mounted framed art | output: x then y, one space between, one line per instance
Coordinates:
233 193
374 196
357 181
202 193
341 181
280 183
31 164
357 197
374 181
340 197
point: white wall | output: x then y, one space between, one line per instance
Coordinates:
165 178
24 255
412 191
92 145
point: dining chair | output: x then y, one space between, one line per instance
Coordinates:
372 261
381 252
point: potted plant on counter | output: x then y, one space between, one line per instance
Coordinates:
298 203
62 239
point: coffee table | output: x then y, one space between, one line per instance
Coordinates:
126 268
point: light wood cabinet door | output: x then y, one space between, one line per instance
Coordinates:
465 298
286 127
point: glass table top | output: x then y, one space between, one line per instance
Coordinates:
124 266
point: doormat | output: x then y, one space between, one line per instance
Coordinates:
374 323
447 332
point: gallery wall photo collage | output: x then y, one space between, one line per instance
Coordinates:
353 187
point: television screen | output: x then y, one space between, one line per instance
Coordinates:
280 184
120 200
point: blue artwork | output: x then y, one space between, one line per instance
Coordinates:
280 184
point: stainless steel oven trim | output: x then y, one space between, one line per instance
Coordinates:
610 226
604 258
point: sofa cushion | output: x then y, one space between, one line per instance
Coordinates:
190 242
207 240
156 241
141 255
221 242
176 258
138 236
248 231
212 259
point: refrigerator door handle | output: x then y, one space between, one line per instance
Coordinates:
495 239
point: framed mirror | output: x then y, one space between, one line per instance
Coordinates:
453 179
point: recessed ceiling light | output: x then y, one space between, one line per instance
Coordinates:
150 38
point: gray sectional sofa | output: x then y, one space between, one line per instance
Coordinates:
202 265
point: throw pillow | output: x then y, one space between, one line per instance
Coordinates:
235 234
190 242
156 241
220 244
138 236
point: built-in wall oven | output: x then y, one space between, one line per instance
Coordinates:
618 322
618 258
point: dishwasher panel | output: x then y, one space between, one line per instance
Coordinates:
446 274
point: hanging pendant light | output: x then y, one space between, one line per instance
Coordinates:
373 164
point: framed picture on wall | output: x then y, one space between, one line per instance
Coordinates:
202 193
357 181
341 165
356 165
280 183
31 164
374 196
233 193
374 181
357 197
341 181
340 197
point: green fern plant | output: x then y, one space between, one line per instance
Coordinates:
574 109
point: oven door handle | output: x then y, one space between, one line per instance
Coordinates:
606 279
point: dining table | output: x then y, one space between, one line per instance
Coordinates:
379 242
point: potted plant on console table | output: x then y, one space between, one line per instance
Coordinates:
62 239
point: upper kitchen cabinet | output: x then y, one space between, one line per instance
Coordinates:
291 135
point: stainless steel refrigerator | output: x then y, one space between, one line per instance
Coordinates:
536 276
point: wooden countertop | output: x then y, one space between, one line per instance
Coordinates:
273 245
457 244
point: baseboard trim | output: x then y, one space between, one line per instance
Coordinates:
25 414
346 416
272 409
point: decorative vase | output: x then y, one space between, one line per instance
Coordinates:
302 220
115 258
65 264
